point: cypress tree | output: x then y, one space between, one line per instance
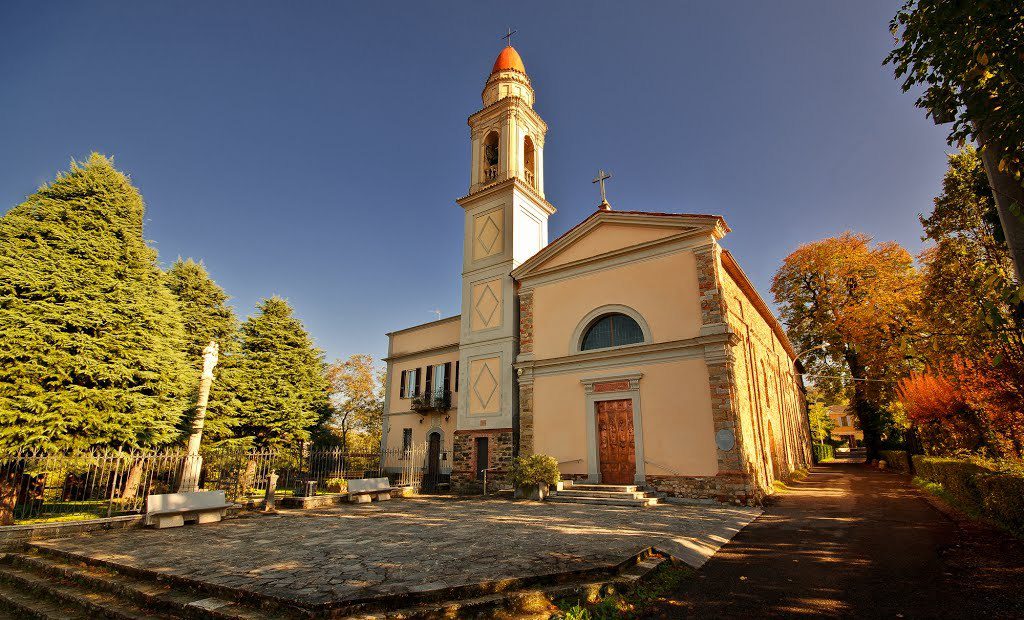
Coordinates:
92 339
207 317
281 386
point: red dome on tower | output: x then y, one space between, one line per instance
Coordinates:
508 60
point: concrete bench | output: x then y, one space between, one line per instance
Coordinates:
365 490
174 509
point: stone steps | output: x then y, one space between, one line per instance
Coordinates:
65 588
605 495
51 584
534 602
605 501
608 494
616 488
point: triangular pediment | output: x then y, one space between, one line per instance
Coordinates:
608 233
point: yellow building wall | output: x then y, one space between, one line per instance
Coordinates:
396 403
419 429
430 336
675 406
662 290
607 238
407 349
772 419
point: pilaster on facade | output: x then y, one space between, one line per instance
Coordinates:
714 314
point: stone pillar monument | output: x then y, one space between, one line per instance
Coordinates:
193 462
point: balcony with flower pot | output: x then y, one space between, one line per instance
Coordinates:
437 401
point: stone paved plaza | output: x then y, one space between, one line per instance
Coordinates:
412 545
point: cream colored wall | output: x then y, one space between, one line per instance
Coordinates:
429 336
768 399
398 404
663 290
606 238
420 429
675 403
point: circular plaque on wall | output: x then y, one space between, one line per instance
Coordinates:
725 439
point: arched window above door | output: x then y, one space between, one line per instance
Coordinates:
612 330
610 326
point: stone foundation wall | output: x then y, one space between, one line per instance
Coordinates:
499 457
730 488
526 418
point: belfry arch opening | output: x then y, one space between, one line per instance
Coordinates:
490 159
530 161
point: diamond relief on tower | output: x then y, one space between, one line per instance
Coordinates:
487 303
485 386
489 234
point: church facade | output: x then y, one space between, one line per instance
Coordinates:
633 348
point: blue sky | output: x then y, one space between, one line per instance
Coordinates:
314 150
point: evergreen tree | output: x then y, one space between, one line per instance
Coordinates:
207 317
92 342
280 382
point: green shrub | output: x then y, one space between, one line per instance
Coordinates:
955 475
991 489
1002 499
534 469
897 460
823 452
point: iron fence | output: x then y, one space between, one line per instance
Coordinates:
37 487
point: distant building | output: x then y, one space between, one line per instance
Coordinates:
633 348
847 428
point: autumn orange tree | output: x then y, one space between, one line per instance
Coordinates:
973 321
851 306
357 402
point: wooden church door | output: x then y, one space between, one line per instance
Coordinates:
615 441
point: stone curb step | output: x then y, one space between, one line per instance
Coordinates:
605 501
90 604
55 576
618 488
609 494
19 604
51 584
523 603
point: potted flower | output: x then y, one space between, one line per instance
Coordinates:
532 476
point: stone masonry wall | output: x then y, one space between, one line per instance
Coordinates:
525 418
769 403
526 322
726 488
499 457
733 483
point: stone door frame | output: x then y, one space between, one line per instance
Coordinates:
613 387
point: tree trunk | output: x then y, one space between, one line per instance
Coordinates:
1007 192
247 478
10 481
131 483
867 412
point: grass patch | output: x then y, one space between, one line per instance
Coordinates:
637 603
939 491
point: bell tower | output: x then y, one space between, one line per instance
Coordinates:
506 222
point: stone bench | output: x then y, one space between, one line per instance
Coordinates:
365 490
174 509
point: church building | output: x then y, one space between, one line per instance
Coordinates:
632 348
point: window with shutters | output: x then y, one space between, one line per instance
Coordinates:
436 395
611 330
410 383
